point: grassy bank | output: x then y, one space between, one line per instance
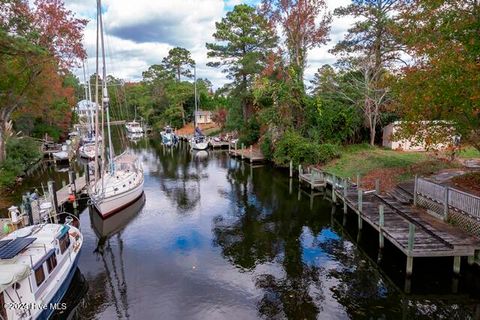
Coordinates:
389 166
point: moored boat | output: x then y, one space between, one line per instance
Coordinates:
37 264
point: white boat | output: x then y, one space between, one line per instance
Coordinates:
199 143
87 151
133 127
61 155
37 264
121 181
118 191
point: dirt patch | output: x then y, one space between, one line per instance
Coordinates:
189 129
469 182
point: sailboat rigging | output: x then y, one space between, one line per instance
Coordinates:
198 141
119 179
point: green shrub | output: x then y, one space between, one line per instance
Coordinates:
292 146
266 146
21 153
250 132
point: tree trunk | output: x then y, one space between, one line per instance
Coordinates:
372 135
3 149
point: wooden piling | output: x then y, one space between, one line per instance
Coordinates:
381 223
411 237
71 181
358 180
360 200
27 206
243 146
456 264
415 191
291 168
345 190
409 268
87 174
52 190
300 172
377 186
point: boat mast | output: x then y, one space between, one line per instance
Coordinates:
196 107
89 110
96 103
105 99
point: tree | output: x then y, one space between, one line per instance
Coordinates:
244 40
179 62
305 24
374 33
374 39
443 82
31 39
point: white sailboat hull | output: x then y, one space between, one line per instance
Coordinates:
198 145
110 205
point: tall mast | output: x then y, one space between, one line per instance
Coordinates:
105 98
96 102
87 98
196 107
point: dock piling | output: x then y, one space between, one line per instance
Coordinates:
71 181
360 200
345 189
415 191
87 174
377 186
243 146
381 223
251 154
334 195
27 206
456 264
358 180
291 168
300 172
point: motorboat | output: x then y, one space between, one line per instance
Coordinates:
169 137
37 264
133 127
87 151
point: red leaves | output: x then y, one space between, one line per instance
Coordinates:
59 31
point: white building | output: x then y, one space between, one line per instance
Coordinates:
85 109
443 135
203 117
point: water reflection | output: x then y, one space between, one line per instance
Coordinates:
217 238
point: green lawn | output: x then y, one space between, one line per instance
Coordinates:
469 152
364 159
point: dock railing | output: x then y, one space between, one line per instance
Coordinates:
447 198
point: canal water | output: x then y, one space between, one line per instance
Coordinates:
216 238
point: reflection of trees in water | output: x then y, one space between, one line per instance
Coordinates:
364 292
266 226
179 174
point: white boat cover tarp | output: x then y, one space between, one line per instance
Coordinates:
11 273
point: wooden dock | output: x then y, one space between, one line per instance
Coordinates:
248 154
64 193
218 144
411 229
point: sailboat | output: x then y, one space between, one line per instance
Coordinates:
198 141
119 182
87 149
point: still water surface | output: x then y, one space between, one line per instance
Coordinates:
214 238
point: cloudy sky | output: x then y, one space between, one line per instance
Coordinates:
139 33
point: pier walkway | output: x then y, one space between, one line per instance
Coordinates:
412 229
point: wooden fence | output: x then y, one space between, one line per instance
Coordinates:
448 198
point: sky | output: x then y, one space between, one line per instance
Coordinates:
139 33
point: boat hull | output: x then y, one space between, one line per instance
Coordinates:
47 313
199 146
111 205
